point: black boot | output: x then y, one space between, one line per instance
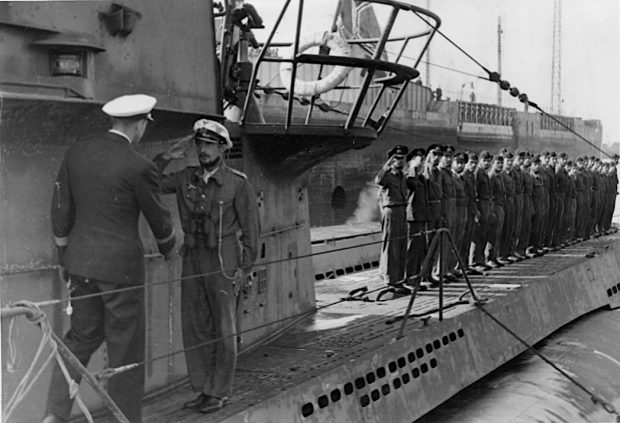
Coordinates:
197 403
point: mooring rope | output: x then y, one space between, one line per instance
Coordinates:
596 399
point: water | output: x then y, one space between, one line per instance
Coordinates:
529 390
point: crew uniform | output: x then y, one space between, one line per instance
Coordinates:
499 201
392 202
517 175
506 247
219 217
461 216
538 201
472 210
526 218
102 187
418 216
484 202
561 188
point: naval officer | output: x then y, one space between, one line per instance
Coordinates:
393 202
102 187
219 216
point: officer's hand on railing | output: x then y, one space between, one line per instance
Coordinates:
178 149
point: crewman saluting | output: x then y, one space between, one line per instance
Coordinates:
219 216
393 202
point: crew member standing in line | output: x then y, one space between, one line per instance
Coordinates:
458 166
582 195
553 199
473 214
506 247
499 200
102 187
432 174
571 209
393 202
418 214
528 209
448 207
517 175
485 206
561 188
219 217
538 197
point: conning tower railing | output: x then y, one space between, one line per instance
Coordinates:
381 77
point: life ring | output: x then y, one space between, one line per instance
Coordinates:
337 46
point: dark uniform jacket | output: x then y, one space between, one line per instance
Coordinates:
433 178
497 188
227 193
561 181
417 204
447 184
509 185
459 190
517 176
470 191
102 186
483 185
538 188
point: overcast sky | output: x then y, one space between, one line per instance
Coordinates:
590 50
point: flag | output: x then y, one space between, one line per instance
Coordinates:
358 21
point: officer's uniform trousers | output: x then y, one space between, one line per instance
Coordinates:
482 231
472 209
506 245
526 224
552 212
393 243
495 233
558 223
448 206
538 194
581 195
518 178
459 225
118 319
208 312
416 247
485 209
570 217
497 225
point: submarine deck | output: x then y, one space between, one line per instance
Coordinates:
341 333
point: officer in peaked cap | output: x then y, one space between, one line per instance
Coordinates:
136 106
400 151
105 182
215 202
392 202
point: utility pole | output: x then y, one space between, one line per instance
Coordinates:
499 57
556 59
428 54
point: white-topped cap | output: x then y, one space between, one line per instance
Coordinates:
130 105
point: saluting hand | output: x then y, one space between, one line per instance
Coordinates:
179 148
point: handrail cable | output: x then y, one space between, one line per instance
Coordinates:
169 281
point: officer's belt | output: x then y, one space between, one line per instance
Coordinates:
434 201
391 206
